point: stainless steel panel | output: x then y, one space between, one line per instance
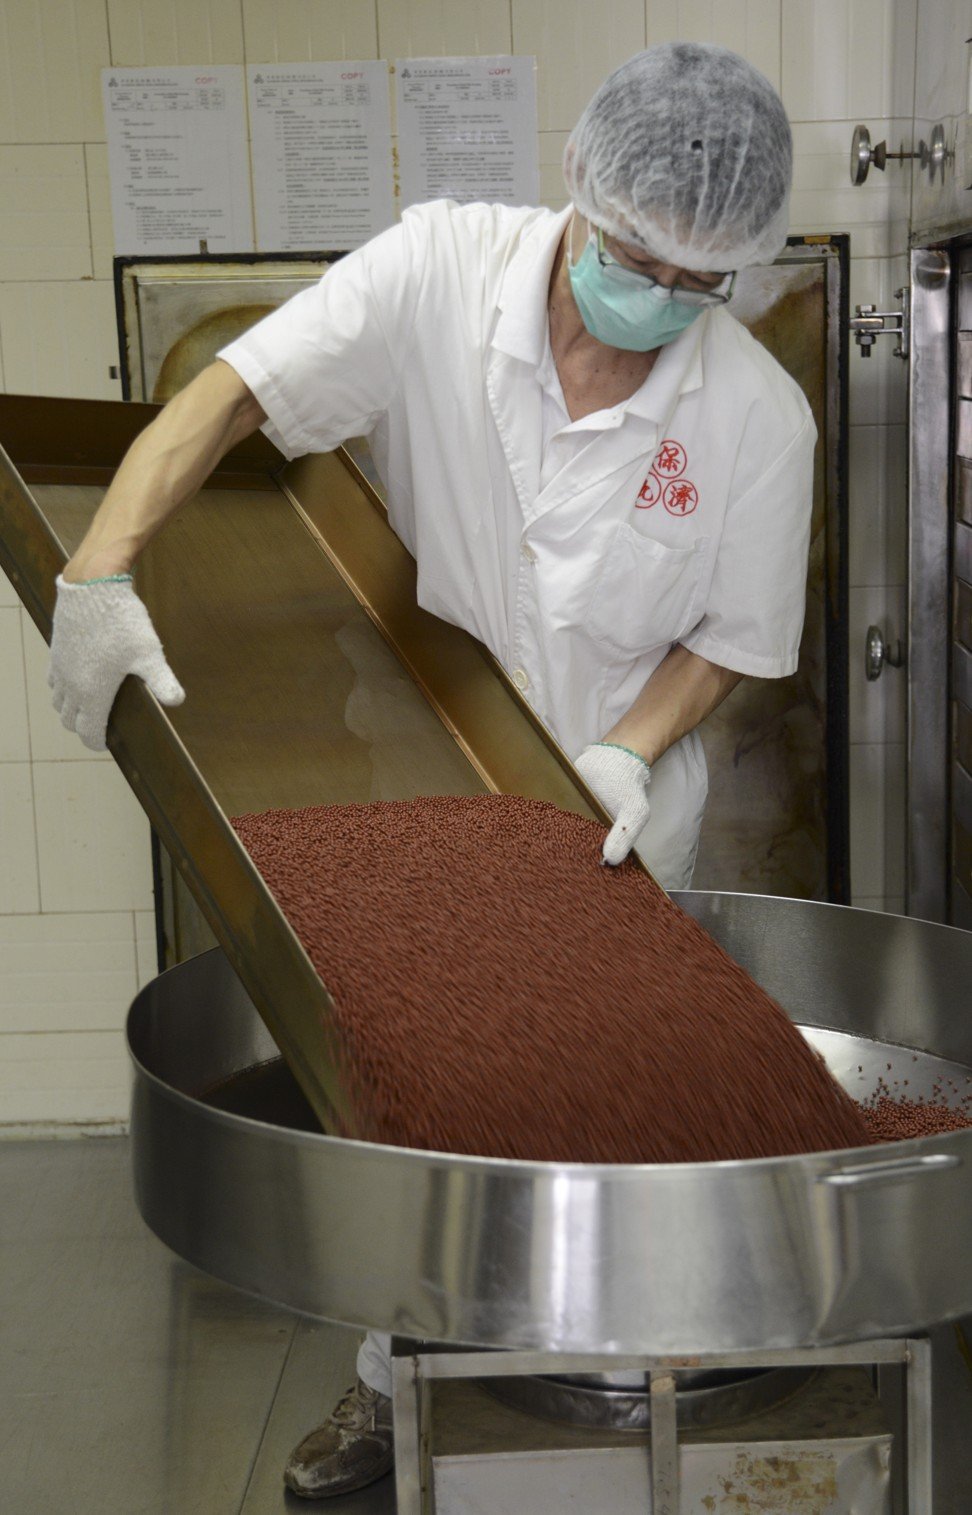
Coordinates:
962 561
962 797
962 621
961 895
964 354
963 428
928 609
962 675
962 735
963 491
684 1258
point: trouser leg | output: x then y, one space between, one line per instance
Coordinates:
374 1362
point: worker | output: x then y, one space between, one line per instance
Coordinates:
600 473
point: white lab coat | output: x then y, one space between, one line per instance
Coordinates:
685 518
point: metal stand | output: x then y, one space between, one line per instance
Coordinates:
412 1377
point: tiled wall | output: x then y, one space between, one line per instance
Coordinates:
75 892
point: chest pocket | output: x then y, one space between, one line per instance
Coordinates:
646 594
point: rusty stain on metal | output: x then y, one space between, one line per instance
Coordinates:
801 1483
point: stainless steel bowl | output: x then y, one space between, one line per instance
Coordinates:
690 1258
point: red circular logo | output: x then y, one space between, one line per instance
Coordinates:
650 493
671 460
681 497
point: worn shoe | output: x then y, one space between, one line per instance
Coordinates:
352 1448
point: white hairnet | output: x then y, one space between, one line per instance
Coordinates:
685 152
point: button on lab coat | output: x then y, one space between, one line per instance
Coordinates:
685 518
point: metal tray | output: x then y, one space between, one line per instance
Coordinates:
287 606
681 1259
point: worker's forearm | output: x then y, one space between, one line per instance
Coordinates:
681 692
164 467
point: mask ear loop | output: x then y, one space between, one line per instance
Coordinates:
591 236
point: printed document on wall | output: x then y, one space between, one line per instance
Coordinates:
321 139
177 156
467 130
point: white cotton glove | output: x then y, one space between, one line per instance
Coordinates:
620 780
101 633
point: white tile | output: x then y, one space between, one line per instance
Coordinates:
144 33
99 209
837 58
876 707
896 693
8 594
901 137
577 45
867 799
74 1077
34 933
870 57
896 487
869 902
941 72
44 231
49 742
885 904
51 52
553 190
14 738
895 829
875 214
903 39
878 384
66 972
821 163
19 892
93 839
146 948
877 505
814 59
749 27
443 28
60 339
298 31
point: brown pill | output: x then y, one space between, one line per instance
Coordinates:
500 993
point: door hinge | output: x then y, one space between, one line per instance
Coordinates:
868 323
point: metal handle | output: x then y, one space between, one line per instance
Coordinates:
863 155
894 1170
877 652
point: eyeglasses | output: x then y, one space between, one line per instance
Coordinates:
633 278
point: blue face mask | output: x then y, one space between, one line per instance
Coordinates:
636 318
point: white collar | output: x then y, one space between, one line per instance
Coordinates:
522 328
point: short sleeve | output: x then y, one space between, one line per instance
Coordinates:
325 364
754 612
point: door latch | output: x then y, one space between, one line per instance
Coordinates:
879 651
868 323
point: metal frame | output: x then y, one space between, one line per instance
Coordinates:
834 252
413 1374
831 255
126 274
929 468
324 502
